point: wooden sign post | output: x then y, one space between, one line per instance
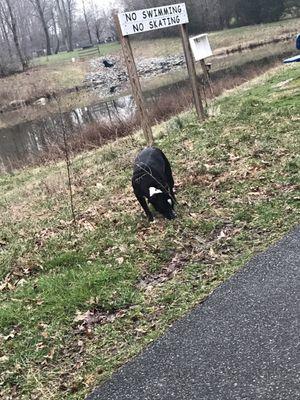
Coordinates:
135 84
132 22
192 71
207 77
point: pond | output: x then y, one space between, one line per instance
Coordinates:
21 143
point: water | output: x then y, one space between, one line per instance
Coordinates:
23 142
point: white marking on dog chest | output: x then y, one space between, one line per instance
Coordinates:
153 191
170 202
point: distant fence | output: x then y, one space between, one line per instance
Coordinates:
89 52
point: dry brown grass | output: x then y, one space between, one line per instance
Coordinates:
39 81
220 39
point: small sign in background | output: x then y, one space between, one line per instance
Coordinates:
201 47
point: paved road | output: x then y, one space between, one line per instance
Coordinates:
242 343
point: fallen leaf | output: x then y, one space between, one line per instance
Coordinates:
40 345
85 317
212 253
221 235
120 260
11 335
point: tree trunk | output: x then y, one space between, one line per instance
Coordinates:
61 22
13 26
65 22
44 25
69 18
97 32
55 32
87 23
5 35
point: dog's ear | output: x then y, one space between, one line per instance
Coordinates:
153 191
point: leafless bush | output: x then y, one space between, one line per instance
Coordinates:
97 134
8 64
169 104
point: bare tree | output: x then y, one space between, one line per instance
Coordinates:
5 41
87 22
42 9
53 22
8 10
102 23
66 10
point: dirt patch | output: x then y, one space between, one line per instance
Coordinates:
168 272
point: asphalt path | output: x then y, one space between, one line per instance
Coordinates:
242 343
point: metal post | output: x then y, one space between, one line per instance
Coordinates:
192 71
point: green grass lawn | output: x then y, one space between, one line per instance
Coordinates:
76 303
63 56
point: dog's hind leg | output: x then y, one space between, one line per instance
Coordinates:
144 204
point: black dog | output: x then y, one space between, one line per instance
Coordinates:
107 64
152 180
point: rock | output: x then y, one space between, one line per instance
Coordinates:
40 102
17 103
113 79
113 89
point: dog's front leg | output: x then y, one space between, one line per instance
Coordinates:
173 195
144 204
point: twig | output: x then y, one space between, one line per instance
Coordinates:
68 162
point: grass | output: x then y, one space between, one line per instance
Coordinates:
77 303
37 82
220 39
232 37
64 56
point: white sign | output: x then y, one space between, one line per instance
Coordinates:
200 47
151 19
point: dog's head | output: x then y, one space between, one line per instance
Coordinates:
162 202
